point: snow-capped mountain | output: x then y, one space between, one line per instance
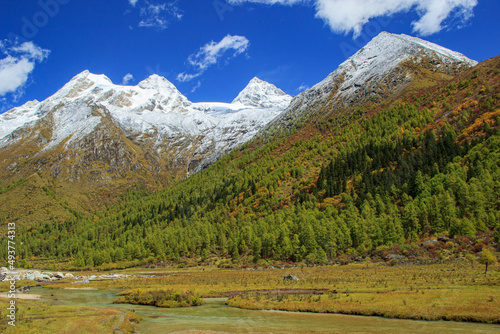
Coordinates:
93 138
153 106
95 131
386 65
262 94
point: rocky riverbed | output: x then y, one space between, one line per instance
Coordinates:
46 276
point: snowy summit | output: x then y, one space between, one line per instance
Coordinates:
153 108
259 93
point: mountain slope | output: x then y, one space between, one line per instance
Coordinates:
358 182
386 67
32 197
93 139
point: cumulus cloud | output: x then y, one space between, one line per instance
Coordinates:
212 52
133 2
128 78
345 16
436 12
16 66
158 15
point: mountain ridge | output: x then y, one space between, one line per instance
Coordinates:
367 182
93 134
388 64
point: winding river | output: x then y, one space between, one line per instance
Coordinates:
215 316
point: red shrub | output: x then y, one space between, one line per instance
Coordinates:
478 248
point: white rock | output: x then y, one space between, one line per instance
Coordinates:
42 277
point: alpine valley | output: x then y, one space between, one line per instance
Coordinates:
400 142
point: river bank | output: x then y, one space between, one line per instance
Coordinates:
450 291
214 316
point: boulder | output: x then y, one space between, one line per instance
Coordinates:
68 275
85 280
59 275
42 277
290 278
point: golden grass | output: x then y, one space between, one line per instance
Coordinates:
38 318
436 292
451 291
475 305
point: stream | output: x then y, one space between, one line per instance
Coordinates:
215 316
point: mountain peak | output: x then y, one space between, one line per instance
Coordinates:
387 52
256 80
156 81
82 83
97 78
387 65
392 49
262 94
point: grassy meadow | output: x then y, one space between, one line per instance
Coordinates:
458 290
41 318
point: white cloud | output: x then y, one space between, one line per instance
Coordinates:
302 88
212 52
195 88
159 15
128 78
345 16
133 2
19 62
184 77
438 11
268 2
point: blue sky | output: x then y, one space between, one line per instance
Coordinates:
210 49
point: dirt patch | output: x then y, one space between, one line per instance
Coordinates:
21 296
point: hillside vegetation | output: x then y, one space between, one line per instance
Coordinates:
354 181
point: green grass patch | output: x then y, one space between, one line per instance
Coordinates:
160 298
